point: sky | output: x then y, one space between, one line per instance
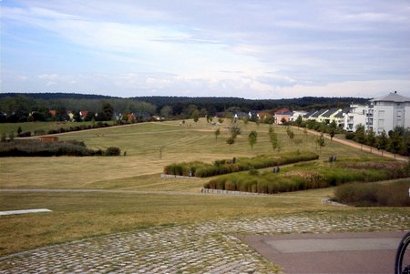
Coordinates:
257 49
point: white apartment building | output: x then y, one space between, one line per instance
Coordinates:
390 111
358 115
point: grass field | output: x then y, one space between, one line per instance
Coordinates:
145 199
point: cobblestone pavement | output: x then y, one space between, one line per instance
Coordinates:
209 247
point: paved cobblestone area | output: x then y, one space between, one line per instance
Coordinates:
210 247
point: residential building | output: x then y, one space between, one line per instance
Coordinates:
390 111
282 116
296 114
358 115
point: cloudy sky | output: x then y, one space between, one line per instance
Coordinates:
241 48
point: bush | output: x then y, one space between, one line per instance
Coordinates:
37 148
24 134
113 151
373 194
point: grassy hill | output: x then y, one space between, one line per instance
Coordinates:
133 194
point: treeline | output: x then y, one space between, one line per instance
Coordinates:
178 107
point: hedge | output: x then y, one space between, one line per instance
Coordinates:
219 167
37 148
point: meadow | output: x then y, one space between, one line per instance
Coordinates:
132 195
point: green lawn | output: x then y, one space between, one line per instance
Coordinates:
146 200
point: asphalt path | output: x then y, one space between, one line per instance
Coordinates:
364 252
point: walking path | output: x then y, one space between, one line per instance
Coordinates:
210 247
372 252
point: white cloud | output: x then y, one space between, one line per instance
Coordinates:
250 49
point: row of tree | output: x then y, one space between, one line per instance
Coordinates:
396 141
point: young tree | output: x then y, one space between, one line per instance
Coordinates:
396 142
332 130
382 141
252 138
235 130
274 140
217 133
195 115
299 121
371 139
290 133
320 142
360 134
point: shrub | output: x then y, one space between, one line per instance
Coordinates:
112 151
25 134
37 148
374 194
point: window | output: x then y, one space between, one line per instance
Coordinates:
381 113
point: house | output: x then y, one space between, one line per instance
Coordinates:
296 114
83 114
282 116
330 115
357 115
309 115
390 111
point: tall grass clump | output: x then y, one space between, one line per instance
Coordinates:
220 167
307 176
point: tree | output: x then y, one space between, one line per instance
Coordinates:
299 121
107 111
166 111
371 139
396 142
252 138
332 130
321 141
217 133
290 133
382 141
274 139
235 130
360 134
195 115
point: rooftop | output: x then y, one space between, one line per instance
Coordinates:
392 97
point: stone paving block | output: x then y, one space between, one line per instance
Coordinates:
209 247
